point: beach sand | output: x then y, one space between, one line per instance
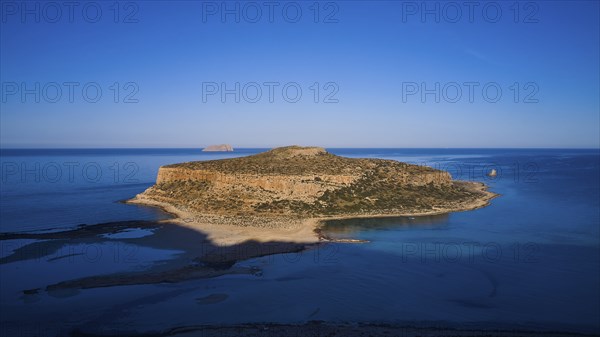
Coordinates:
235 229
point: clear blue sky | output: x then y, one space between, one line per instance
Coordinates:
372 54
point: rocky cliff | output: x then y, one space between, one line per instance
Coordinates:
308 182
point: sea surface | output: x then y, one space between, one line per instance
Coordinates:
530 260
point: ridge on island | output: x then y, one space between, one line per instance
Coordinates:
285 186
218 148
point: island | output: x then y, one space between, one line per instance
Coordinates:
218 148
285 194
275 202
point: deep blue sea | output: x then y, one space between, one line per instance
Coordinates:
531 259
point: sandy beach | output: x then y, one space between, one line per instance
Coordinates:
232 230
228 230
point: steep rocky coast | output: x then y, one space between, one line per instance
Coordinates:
284 193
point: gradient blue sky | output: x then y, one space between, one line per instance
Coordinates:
368 53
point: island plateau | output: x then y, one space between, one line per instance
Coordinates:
285 193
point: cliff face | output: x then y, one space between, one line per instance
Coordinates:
293 186
305 182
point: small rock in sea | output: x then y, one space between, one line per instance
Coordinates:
218 148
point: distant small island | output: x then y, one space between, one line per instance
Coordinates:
286 192
218 148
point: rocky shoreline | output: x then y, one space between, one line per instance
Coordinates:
230 229
287 193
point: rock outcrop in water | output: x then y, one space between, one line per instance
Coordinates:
309 182
218 148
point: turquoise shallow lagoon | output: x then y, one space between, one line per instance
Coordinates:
531 259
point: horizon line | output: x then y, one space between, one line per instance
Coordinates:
326 147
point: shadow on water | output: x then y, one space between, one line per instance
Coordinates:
197 256
467 288
346 227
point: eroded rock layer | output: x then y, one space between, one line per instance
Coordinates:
310 182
